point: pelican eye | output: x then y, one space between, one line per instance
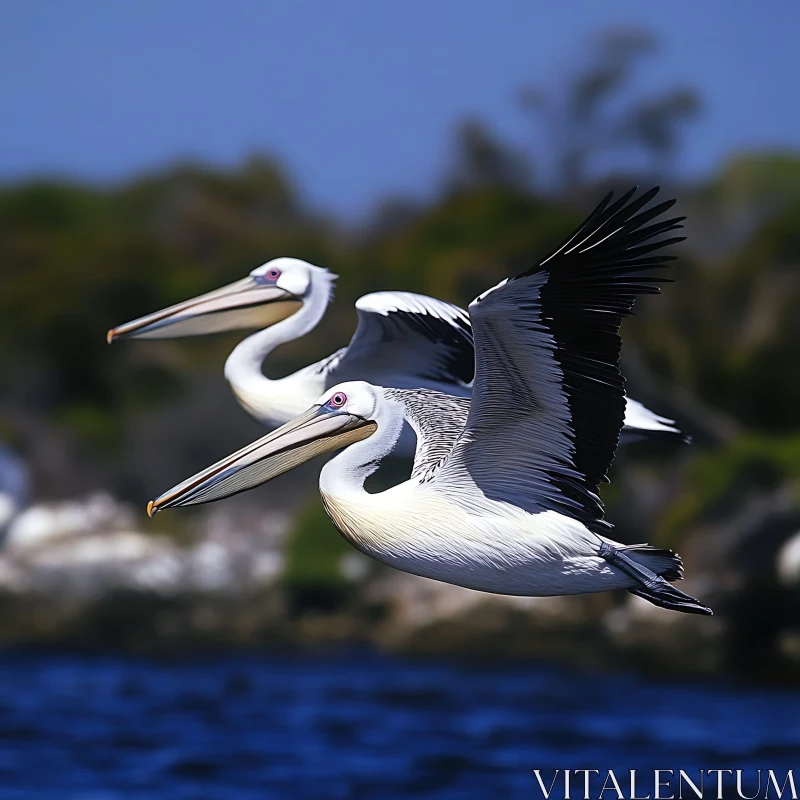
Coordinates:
273 274
338 400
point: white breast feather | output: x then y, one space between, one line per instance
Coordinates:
503 550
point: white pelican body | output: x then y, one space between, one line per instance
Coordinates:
503 493
403 340
425 528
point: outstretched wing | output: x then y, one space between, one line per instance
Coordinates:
548 398
408 340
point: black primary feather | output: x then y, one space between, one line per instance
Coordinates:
593 281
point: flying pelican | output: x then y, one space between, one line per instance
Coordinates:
503 495
402 340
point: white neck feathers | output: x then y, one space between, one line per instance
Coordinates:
343 477
243 367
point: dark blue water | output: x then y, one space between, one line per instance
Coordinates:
358 726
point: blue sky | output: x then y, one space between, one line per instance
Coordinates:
358 97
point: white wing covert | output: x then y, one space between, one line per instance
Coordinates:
438 420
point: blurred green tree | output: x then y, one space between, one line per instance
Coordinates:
587 120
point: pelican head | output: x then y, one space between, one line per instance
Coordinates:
345 414
269 294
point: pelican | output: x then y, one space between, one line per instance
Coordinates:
403 340
503 495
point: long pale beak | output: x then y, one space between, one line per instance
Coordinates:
242 305
314 432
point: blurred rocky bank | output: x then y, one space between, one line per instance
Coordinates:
88 574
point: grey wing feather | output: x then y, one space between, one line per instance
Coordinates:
548 397
438 419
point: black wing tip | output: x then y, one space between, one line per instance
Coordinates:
650 193
630 200
629 194
618 231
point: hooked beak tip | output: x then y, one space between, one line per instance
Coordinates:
152 509
111 335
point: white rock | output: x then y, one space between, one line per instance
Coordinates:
162 573
32 528
211 566
245 527
789 562
14 485
8 508
43 524
354 567
266 567
12 578
119 547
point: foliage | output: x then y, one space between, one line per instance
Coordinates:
726 477
585 122
313 574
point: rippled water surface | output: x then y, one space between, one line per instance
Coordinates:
358 726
